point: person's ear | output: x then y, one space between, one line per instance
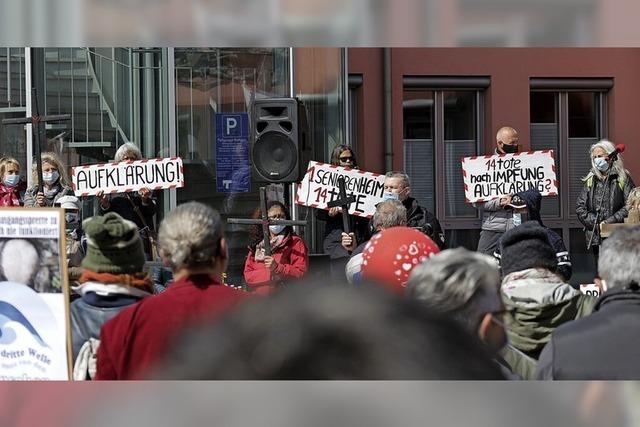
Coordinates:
601 284
224 249
485 326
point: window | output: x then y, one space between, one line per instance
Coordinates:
568 116
442 119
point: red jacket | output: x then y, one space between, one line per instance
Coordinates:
140 335
293 261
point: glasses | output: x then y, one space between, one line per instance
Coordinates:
346 159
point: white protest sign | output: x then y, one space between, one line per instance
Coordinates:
34 296
125 177
591 289
320 186
490 177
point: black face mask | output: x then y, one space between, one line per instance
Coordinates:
510 149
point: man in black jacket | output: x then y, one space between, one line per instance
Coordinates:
398 187
603 345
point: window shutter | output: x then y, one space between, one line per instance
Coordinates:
419 165
544 136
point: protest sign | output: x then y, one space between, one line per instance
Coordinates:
320 187
125 177
591 289
34 296
490 177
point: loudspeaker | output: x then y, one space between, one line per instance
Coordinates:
275 139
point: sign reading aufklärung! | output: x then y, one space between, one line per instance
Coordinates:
489 177
124 177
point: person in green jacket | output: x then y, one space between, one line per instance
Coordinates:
537 299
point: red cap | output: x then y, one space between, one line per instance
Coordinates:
391 254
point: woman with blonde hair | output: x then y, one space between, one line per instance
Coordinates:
12 187
604 195
55 182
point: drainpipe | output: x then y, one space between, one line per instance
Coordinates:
388 130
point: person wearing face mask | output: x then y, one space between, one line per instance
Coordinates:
55 183
338 244
496 216
604 195
465 286
397 186
289 255
12 188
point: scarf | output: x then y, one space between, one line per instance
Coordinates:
276 243
139 281
10 196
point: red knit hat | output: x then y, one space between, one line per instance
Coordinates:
391 254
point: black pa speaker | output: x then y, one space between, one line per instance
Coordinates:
275 137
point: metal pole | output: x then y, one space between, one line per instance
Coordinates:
27 86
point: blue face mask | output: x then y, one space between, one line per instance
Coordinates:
276 229
388 195
601 164
11 180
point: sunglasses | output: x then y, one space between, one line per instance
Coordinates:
346 159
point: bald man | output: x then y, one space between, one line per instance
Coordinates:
496 214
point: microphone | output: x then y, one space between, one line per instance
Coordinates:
619 149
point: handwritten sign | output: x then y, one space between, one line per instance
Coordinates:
490 177
591 289
125 177
34 296
320 187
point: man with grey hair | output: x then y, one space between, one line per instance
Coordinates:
397 186
604 345
464 285
390 213
192 243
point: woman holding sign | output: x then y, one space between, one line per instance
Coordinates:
55 183
138 207
604 195
337 243
289 258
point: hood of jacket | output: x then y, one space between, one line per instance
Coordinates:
533 200
538 301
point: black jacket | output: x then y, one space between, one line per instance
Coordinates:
420 217
332 243
601 346
613 206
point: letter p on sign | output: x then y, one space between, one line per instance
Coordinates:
231 127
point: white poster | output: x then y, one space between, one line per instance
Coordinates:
320 187
490 177
34 331
125 177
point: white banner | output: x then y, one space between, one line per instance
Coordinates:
489 177
125 177
320 186
34 296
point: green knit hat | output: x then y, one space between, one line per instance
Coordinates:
113 245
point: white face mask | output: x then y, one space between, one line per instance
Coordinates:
276 229
390 195
50 177
517 219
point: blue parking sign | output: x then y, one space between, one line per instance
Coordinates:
233 169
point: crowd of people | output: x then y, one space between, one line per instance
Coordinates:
396 303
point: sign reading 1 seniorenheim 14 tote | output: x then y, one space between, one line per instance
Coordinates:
233 169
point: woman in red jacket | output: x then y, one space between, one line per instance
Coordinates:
289 258
12 187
